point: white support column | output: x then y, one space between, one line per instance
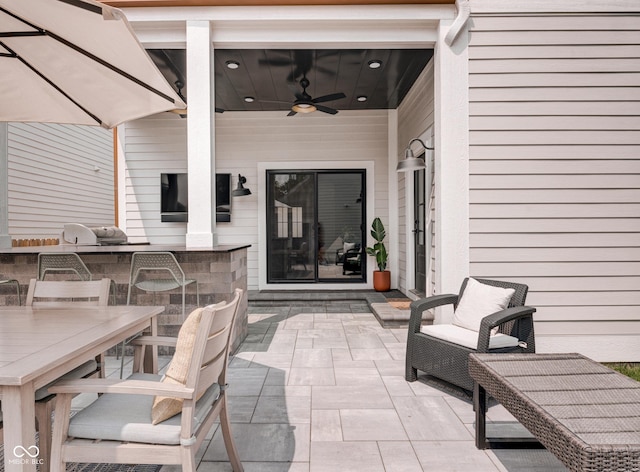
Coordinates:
121 177
5 238
201 229
394 234
451 160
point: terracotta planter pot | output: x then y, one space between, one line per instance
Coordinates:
381 280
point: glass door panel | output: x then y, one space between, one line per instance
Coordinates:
291 224
340 216
419 228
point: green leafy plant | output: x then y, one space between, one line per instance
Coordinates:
630 369
379 251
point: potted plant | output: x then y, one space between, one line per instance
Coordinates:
381 277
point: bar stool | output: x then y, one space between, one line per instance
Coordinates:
153 264
70 263
158 262
17 284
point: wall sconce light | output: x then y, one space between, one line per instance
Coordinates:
240 191
412 163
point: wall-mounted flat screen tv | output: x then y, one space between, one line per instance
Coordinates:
223 198
174 197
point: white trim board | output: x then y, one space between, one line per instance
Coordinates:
369 167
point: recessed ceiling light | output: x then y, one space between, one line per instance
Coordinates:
249 99
375 64
232 64
362 98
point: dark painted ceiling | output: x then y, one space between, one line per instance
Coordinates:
272 76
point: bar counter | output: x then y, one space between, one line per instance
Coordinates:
219 271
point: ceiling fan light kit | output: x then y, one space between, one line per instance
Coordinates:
303 107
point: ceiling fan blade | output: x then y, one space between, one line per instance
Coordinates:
324 109
273 101
328 98
291 113
275 62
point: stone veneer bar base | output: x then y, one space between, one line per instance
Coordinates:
219 271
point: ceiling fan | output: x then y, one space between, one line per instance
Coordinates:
183 112
305 103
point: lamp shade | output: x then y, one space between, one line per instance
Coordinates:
240 191
412 163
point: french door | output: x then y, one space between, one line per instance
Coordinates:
419 232
315 224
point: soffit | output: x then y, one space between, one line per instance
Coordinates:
272 76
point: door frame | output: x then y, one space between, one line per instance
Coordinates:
409 188
313 237
367 165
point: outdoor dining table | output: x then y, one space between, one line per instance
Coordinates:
37 346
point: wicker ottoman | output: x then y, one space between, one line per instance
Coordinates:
586 414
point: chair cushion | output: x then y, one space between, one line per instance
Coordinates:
348 246
467 337
88 368
127 417
166 407
480 300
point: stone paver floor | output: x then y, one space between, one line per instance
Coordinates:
322 389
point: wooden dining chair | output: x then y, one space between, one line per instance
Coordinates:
45 293
149 419
53 293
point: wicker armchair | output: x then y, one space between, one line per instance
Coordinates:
449 361
352 261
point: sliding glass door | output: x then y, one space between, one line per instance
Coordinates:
315 223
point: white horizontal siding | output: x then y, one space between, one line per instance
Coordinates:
555 171
58 174
158 144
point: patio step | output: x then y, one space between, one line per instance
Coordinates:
377 302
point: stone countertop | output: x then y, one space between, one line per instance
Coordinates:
121 248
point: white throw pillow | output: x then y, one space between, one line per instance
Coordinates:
480 300
347 246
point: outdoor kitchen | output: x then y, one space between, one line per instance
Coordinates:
107 254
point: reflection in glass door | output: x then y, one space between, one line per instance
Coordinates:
419 231
315 226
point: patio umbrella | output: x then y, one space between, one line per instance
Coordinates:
76 61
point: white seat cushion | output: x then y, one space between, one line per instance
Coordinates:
128 417
467 337
480 300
